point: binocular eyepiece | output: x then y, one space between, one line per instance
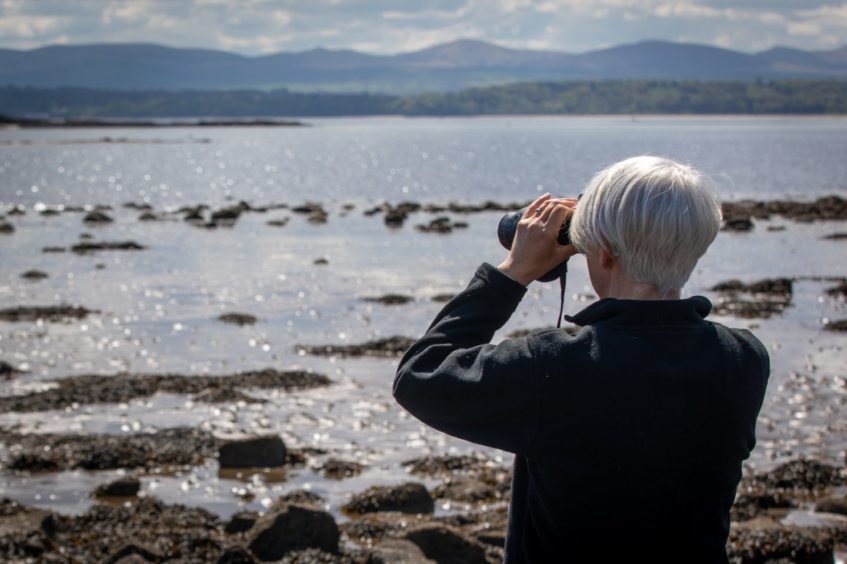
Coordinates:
508 226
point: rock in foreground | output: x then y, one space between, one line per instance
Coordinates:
293 527
410 497
255 452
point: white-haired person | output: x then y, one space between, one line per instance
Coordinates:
629 434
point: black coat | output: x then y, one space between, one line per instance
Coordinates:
629 434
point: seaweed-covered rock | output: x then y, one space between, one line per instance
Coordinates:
442 298
832 505
446 545
134 552
738 224
410 497
441 225
389 299
465 489
128 486
6 228
446 464
749 505
97 217
293 527
239 319
387 347
34 275
302 497
255 452
397 551
795 475
53 452
235 555
337 469
778 286
8 371
93 247
839 325
762 540
839 290
241 521
44 313
98 388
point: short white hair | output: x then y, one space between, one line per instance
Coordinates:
655 215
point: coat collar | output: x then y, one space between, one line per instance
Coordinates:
643 312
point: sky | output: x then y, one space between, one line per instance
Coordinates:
254 27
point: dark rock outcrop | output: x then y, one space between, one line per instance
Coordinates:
34 275
164 448
241 521
44 313
389 299
410 497
96 388
337 469
763 540
839 325
255 452
387 347
446 545
128 486
86 248
239 319
397 551
97 217
293 527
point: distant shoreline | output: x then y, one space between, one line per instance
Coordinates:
13 122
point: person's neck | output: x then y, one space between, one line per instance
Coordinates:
625 289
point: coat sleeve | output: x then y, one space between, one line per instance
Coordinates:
453 380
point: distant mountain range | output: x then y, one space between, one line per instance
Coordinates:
450 66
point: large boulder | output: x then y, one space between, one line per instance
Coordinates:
398 551
446 545
292 527
255 452
410 497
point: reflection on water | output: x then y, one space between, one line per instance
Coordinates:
158 307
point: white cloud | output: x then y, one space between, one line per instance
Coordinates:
132 11
281 17
27 26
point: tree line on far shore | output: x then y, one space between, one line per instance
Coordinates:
528 98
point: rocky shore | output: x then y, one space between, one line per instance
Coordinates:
395 524
444 509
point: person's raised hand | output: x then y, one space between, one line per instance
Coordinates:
536 250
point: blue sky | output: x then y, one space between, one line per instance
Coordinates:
254 27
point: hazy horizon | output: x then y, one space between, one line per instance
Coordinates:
256 27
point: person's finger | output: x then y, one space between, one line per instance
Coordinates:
558 214
548 211
538 202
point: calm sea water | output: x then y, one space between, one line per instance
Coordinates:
159 305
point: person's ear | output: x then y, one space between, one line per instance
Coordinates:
607 259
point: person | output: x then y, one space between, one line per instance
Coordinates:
628 434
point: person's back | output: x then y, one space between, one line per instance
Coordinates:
645 433
628 435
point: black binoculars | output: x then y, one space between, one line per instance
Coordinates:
506 233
